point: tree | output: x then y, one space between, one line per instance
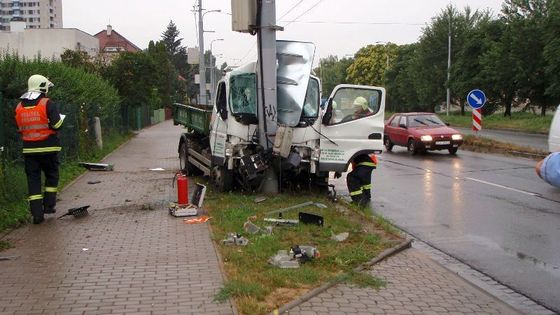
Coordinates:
552 50
370 64
81 60
332 72
401 94
178 56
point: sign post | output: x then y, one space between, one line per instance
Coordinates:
476 99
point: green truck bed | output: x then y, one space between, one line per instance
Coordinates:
193 117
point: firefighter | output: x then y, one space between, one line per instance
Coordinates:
38 121
361 107
359 179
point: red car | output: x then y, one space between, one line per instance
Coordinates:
420 132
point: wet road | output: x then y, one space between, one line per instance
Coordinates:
531 140
491 212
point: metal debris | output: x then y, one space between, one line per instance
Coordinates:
97 166
78 212
235 239
251 228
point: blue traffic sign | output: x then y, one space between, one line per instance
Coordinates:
476 99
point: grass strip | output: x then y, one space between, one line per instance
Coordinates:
258 287
525 122
486 145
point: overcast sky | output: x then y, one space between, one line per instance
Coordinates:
336 27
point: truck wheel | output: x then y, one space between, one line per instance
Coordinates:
222 178
184 163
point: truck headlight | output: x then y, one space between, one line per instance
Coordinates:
457 137
426 138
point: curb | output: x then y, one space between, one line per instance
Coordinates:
311 294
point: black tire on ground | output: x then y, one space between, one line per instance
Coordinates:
184 163
453 151
388 144
222 178
412 147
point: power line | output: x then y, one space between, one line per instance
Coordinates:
355 23
291 9
304 13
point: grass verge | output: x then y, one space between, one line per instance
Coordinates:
13 203
486 145
256 286
526 122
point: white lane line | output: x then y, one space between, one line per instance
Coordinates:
502 186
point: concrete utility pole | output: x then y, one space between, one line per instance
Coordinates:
213 72
201 61
268 111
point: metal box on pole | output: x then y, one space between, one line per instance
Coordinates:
243 15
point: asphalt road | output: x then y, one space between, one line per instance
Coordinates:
489 211
535 141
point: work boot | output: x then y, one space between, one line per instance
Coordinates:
49 209
38 220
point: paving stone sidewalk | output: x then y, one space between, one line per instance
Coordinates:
128 256
415 284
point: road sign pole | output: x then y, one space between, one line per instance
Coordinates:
477 120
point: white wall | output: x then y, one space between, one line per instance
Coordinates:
48 43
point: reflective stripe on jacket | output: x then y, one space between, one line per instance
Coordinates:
33 122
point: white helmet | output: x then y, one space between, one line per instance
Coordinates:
38 83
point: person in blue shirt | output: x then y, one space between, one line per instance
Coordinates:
549 169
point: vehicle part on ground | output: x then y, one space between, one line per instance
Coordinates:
78 212
310 218
97 166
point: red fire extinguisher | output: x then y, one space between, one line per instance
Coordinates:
182 189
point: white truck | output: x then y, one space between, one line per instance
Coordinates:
310 141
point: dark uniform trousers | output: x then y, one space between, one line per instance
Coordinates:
48 164
359 183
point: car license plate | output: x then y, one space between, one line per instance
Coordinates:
443 142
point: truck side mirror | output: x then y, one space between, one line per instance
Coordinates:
328 113
221 101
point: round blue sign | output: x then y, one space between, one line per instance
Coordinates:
476 99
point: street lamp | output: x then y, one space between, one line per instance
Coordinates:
201 61
213 71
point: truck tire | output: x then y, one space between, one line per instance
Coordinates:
184 163
222 178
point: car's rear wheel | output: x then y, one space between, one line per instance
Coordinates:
452 150
388 144
412 147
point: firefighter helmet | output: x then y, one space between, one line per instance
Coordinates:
38 83
362 102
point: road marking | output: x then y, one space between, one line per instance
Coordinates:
502 186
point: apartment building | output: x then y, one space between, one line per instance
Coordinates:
35 13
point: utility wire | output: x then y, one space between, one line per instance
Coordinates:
291 9
354 23
305 12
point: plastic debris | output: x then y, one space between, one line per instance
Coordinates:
267 230
259 199
251 228
283 260
93 182
2 258
309 218
235 239
198 220
157 169
97 166
304 253
281 221
340 237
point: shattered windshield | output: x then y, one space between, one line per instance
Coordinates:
311 104
424 120
243 94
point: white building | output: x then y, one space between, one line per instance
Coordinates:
35 13
46 43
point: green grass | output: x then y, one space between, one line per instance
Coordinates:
526 122
258 287
5 245
13 201
486 145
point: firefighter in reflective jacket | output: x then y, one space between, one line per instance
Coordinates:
38 120
359 179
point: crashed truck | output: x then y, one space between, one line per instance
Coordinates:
221 141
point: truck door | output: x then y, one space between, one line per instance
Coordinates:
352 125
219 125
